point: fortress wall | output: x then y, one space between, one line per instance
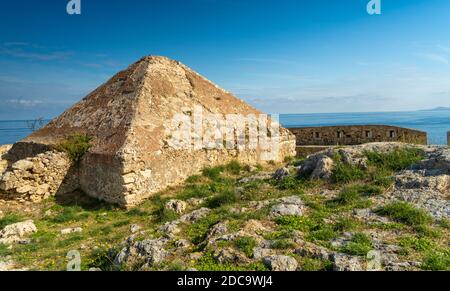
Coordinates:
356 134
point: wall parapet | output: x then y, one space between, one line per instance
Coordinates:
356 134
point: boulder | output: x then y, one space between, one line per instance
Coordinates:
281 263
16 233
71 230
281 174
149 251
178 206
343 262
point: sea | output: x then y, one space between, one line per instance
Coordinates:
435 122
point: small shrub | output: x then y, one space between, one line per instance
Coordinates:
4 251
289 183
359 245
234 167
417 244
346 224
246 244
198 231
103 258
437 261
213 173
344 173
76 145
313 265
354 196
225 198
348 195
282 244
444 223
405 213
164 215
382 177
193 179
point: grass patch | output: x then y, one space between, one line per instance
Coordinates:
9 219
69 214
405 213
209 263
396 160
282 244
344 173
355 196
315 227
314 265
213 173
246 244
416 244
346 224
4 251
438 260
359 245
198 231
75 145
227 197
233 167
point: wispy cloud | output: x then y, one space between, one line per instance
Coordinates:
29 51
269 60
434 57
444 48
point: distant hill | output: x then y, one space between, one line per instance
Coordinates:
438 109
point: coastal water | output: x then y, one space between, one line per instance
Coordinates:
436 123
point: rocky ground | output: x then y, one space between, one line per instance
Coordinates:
381 206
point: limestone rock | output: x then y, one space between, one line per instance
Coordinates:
281 263
289 206
16 233
178 206
343 262
281 174
323 169
71 230
22 165
150 251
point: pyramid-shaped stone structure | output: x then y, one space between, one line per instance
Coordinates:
129 121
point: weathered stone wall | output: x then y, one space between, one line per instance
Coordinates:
39 177
3 162
355 134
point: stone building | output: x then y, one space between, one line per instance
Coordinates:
314 139
356 134
130 120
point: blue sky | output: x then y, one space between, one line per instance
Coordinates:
284 56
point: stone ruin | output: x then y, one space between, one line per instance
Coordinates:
130 120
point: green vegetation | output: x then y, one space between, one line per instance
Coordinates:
405 213
209 263
312 265
438 260
344 173
396 160
232 200
75 145
246 244
9 219
359 245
